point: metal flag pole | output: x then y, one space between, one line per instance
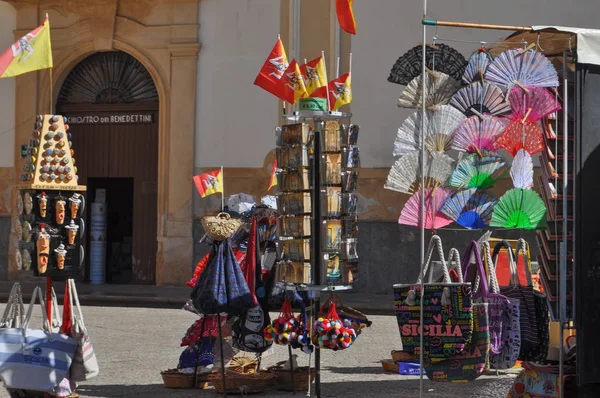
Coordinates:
422 204
222 190
337 68
327 87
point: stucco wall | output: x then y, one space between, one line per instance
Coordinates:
7 89
235 120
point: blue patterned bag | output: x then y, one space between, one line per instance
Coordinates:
222 288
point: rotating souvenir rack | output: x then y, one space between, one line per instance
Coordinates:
317 159
50 205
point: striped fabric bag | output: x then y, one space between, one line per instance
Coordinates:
34 359
85 365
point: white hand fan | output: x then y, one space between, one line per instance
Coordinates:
439 88
480 99
405 174
521 171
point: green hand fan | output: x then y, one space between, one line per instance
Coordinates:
519 208
475 172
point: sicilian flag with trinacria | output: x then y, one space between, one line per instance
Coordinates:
339 91
314 75
269 77
30 53
209 183
345 15
293 84
273 180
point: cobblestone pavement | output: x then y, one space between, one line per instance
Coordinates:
134 344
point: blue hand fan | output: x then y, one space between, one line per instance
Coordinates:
470 208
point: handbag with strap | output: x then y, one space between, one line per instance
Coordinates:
470 363
447 312
35 359
85 364
511 327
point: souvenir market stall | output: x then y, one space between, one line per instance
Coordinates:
476 121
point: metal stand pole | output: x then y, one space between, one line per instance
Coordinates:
316 240
422 204
222 356
292 369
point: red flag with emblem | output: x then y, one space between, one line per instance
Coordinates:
269 77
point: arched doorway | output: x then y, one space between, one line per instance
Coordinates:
111 103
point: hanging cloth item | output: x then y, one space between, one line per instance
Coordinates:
221 287
247 329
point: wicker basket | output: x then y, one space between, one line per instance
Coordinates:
244 383
221 226
172 378
301 375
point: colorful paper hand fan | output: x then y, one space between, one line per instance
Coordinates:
475 135
475 172
529 69
521 171
439 88
477 66
434 218
480 99
470 208
532 105
519 208
519 135
405 174
440 57
439 130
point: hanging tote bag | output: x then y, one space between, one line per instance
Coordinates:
498 304
221 287
447 313
539 351
472 361
35 359
511 327
85 364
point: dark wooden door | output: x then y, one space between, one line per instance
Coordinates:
123 150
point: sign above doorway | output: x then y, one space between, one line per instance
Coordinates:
111 119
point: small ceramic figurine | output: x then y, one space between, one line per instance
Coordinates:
18 229
28 203
75 202
19 204
72 232
27 231
26 260
43 250
60 211
60 256
19 260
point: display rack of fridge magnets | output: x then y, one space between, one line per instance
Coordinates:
50 205
318 160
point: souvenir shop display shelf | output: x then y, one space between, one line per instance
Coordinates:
316 158
50 205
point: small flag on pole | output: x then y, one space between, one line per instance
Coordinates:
273 180
314 75
209 183
30 53
339 91
293 84
269 77
345 15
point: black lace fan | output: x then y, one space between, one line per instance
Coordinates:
441 58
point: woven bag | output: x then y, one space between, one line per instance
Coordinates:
221 226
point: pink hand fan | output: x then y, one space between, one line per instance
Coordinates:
532 105
519 135
434 200
475 135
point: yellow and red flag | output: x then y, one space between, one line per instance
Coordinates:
293 84
273 180
209 183
314 75
339 91
30 53
269 77
345 15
